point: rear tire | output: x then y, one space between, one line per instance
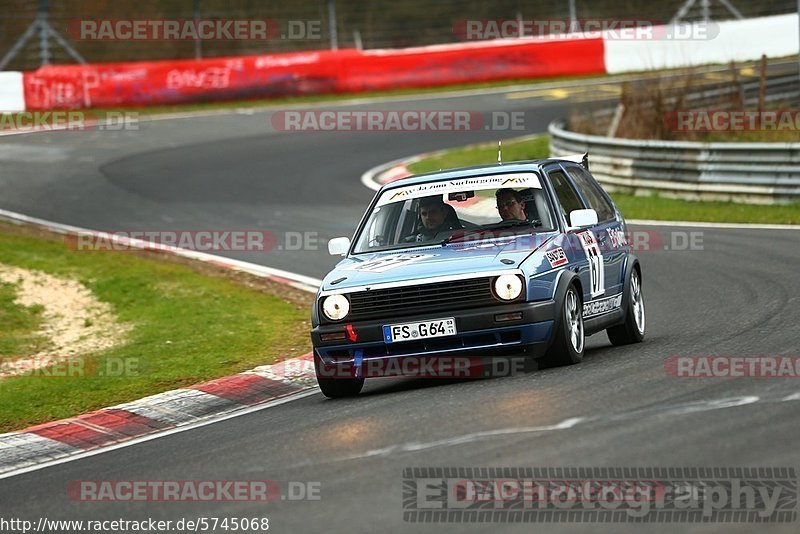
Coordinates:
633 329
335 387
570 339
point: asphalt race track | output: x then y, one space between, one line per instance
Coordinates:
736 296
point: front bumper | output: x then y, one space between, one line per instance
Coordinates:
479 333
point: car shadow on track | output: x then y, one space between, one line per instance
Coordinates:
501 367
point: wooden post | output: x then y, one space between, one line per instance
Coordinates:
762 83
737 98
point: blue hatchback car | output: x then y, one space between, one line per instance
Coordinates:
525 257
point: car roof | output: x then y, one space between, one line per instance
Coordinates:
477 170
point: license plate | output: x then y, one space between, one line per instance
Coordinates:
393 333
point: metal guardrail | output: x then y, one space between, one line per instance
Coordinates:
763 173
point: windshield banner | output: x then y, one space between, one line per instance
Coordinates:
520 180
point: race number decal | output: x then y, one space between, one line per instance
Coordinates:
388 263
596 267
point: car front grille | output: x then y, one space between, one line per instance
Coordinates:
420 299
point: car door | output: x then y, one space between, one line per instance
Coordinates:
609 231
584 246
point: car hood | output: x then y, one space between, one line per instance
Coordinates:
425 262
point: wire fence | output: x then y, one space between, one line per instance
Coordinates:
308 25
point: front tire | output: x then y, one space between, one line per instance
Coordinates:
633 329
570 339
336 387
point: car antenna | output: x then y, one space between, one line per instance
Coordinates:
500 152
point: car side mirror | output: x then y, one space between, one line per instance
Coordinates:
338 246
581 218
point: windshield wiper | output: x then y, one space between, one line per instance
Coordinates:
510 224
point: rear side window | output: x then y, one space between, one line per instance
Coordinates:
567 197
591 190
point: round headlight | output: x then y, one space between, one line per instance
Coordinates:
507 286
336 307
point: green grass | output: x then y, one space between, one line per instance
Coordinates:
668 209
187 327
484 154
633 207
18 335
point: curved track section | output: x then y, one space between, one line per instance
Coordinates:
737 296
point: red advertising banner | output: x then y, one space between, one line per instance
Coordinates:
300 73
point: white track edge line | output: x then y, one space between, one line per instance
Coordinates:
700 224
303 282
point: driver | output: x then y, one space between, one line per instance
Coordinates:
433 216
510 205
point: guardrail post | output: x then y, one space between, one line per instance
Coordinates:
332 26
198 46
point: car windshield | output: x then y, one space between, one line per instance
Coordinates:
464 209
